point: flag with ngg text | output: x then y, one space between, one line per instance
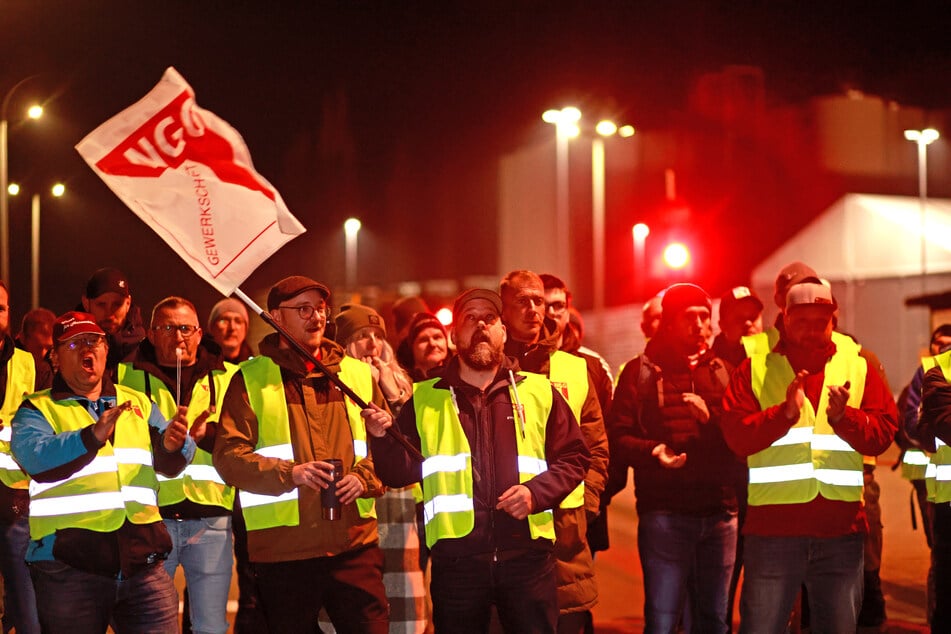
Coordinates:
188 175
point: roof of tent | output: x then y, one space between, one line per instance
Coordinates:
862 236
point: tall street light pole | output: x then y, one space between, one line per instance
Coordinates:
35 112
351 228
923 138
639 232
566 127
56 190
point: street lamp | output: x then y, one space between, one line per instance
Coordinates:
350 229
57 191
34 112
604 128
923 138
640 231
566 128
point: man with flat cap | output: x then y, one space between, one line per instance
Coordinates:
281 421
803 414
501 450
93 449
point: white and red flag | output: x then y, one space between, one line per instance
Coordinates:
188 175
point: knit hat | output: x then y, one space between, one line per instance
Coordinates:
421 322
73 324
229 305
476 293
107 280
405 308
291 287
353 317
680 297
736 296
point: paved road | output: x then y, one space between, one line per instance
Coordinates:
904 565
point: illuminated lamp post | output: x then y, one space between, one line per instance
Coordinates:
351 228
57 191
639 232
566 127
34 112
923 138
676 256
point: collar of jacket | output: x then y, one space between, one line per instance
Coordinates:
61 391
450 376
331 354
207 360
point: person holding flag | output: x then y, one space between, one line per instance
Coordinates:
93 449
184 373
282 423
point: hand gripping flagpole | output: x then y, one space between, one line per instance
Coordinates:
315 364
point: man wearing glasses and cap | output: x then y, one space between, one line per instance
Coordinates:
185 373
281 422
92 449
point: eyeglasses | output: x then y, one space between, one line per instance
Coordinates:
88 341
169 330
306 311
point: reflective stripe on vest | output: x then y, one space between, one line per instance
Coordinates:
199 481
119 483
265 391
809 459
938 472
448 506
569 375
21 376
914 464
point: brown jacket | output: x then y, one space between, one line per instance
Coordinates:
319 429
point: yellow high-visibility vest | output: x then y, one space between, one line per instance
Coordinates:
569 375
21 377
199 481
118 484
810 459
262 378
448 505
938 474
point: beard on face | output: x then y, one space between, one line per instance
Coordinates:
480 354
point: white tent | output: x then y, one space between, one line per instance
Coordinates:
874 249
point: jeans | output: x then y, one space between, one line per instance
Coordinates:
349 586
671 547
203 548
70 600
775 567
19 598
521 585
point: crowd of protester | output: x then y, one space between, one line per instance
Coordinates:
425 477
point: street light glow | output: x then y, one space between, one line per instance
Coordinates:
640 231
351 227
58 189
13 189
35 111
605 127
926 136
444 315
626 131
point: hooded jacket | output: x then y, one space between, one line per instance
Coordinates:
319 429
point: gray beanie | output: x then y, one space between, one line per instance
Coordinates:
228 305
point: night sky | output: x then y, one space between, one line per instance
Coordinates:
397 112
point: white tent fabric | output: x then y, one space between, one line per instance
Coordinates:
863 237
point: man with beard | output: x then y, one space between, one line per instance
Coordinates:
92 449
108 299
664 424
500 449
803 415
533 341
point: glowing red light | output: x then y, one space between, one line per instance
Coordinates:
676 255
